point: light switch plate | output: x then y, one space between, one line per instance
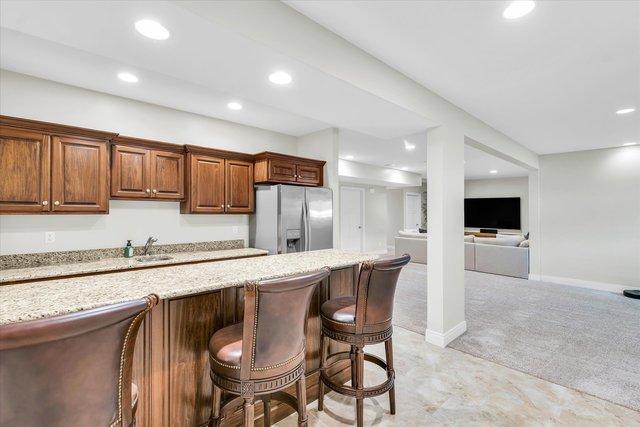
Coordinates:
49 237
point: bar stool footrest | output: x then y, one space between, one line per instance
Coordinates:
376 390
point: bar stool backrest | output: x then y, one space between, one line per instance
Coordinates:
275 324
375 292
70 370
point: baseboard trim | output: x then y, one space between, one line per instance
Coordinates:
600 286
443 339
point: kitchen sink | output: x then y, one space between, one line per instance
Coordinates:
153 258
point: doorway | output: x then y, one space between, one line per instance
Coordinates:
352 218
412 215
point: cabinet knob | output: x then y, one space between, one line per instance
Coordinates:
45 203
155 191
228 206
57 203
148 190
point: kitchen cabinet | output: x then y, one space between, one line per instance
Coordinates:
218 182
274 168
50 168
79 175
143 169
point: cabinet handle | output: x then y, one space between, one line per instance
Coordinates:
155 191
45 203
57 203
148 190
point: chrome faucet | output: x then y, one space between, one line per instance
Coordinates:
147 246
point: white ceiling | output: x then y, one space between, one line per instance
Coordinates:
393 154
551 80
200 68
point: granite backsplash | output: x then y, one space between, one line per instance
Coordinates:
69 257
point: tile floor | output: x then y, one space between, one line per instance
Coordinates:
437 386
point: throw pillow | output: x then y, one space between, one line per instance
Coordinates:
524 244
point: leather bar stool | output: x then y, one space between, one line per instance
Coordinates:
71 370
361 320
265 353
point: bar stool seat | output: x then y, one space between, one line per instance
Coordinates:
362 320
225 350
264 354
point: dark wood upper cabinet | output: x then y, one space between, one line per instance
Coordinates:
24 165
51 168
130 167
239 186
79 175
218 181
143 169
206 184
310 174
167 175
274 168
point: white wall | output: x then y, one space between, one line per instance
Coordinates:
375 216
590 217
502 187
28 97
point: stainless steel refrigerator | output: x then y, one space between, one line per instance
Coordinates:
290 218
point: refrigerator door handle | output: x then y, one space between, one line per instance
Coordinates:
305 225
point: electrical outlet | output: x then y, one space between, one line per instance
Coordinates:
236 230
49 237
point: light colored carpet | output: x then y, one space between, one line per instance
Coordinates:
583 339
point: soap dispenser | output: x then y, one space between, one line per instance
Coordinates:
128 250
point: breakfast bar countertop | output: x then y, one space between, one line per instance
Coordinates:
120 264
33 300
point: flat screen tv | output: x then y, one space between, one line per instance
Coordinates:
503 212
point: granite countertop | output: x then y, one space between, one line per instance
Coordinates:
119 264
27 301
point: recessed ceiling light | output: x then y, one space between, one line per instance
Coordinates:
493 172
349 157
280 78
405 168
234 106
152 29
518 8
629 144
408 146
128 77
626 110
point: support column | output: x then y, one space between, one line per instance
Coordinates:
445 245
534 225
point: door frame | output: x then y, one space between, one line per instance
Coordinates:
362 201
412 193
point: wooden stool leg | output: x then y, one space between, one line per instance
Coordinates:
248 412
323 361
359 385
352 357
388 349
216 398
266 405
301 394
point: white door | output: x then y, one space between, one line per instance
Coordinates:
351 218
412 211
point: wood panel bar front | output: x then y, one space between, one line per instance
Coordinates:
171 360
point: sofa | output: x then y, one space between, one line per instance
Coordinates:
507 255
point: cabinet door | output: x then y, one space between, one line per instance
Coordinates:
206 184
24 171
309 174
79 175
130 172
282 171
167 175
239 186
